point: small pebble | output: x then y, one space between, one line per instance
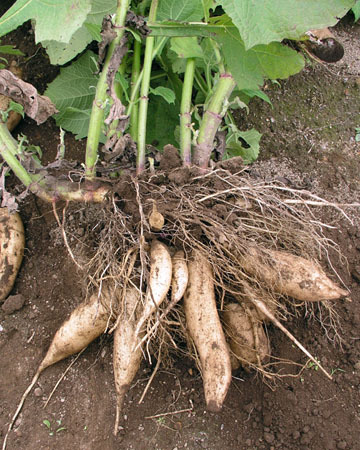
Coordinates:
269 438
341 445
38 392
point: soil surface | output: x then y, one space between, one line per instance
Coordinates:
308 141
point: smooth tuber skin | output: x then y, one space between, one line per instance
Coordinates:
205 329
12 244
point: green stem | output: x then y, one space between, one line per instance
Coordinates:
144 94
134 116
45 187
201 82
185 113
97 112
9 150
212 118
136 86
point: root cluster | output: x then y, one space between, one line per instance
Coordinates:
200 265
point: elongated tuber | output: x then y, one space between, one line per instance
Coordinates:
290 275
205 329
12 243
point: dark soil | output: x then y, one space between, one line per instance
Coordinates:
309 142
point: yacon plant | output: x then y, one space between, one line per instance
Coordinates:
187 243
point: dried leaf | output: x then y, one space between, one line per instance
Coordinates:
38 107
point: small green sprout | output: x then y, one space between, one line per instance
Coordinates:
57 429
357 134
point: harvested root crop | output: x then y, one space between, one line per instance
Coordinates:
127 351
291 275
205 330
180 276
87 322
159 281
12 243
246 337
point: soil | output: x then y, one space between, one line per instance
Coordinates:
308 142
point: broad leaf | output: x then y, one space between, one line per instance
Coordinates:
74 88
243 143
167 94
182 11
76 121
54 19
265 21
249 68
162 121
186 47
356 10
61 53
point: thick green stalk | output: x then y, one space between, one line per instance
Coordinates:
144 94
9 150
211 120
45 187
185 113
134 116
136 86
97 112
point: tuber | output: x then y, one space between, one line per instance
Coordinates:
205 329
11 250
246 336
290 275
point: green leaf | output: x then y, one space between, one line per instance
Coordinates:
249 68
186 47
13 106
162 121
73 92
257 93
265 21
10 50
47 423
94 30
61 53
54 19
167 94
356 10
182 11
235 146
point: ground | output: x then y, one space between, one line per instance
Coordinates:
309 140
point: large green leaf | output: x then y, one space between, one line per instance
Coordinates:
356 10
61 53
250 67
73 90
180 10
265 21
54 19
162 121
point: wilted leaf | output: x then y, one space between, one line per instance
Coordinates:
36 106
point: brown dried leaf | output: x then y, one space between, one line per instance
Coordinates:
38 107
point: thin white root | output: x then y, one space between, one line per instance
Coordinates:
19 408
260 305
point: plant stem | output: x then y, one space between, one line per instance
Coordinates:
48 188
134 116
136 86
97 112
144 92
212 118
185 113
